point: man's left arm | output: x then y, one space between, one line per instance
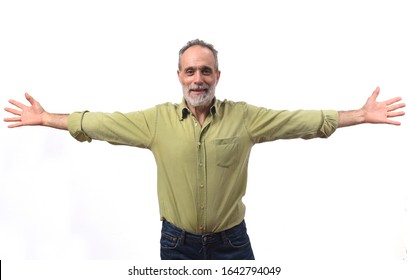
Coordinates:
373 112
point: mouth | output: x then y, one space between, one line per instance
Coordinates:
197 91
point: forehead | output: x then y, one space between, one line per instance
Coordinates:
196 56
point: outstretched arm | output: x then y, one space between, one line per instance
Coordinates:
373 112
34 115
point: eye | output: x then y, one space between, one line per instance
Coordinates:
206 71
189 72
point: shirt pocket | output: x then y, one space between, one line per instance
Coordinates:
226 151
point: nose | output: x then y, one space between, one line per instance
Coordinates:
198 78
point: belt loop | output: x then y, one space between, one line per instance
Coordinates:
182 238
224 237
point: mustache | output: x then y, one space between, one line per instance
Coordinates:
198 87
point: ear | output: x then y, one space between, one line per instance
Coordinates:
217 77
179 75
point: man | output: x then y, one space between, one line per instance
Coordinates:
202 148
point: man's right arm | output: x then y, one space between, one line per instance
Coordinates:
132 129
34 115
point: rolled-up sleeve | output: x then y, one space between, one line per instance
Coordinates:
268 125
132 129
329 123
75 127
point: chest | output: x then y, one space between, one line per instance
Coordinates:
218 141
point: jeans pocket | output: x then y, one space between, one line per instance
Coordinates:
168 241
239 240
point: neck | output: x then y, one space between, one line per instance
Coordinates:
200 112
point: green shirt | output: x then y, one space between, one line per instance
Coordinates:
202 170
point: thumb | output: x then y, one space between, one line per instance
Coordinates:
375 93
29 98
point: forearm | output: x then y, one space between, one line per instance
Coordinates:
348 118
59 121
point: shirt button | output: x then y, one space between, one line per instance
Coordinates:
200 164
201 185
199 144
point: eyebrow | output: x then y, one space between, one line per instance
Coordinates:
200 68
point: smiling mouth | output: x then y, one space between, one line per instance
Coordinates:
198 91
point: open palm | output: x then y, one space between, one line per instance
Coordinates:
381 112
25 115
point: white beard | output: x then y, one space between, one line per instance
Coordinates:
203 99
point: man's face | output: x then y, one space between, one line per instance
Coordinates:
198 76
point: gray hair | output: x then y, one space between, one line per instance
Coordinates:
198 42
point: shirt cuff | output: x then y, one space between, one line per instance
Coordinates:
330 123
75 126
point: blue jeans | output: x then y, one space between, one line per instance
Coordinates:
231 244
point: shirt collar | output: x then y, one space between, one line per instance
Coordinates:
183 110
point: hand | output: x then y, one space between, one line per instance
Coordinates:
381 112
27 115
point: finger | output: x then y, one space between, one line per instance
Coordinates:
16 103
395 114
13 111
395 107
392 100
393 122
16 119
15 125
375 93
29 98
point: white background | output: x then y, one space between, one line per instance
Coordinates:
344 198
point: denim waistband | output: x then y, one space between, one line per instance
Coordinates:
206 237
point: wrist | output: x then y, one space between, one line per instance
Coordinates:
348 118
359 116
45 119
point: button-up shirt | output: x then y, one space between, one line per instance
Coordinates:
202 170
